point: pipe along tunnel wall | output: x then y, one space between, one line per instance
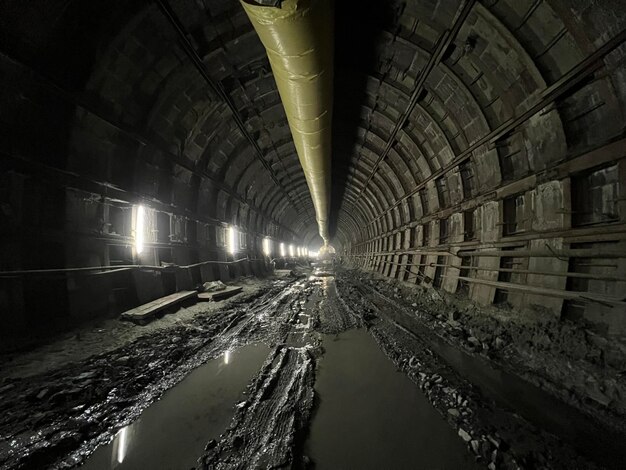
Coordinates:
478 155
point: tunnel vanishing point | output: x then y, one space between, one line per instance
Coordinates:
440 184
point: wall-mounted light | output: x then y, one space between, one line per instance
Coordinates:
231 240
291 253
282 250
140 216
267 248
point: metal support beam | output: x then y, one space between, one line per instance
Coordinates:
604 154
217 88
557 90
81 102
435 58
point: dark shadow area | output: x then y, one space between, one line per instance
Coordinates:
61 39
357 31
48 50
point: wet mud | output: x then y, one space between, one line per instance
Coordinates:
332 315
57 418
173 431
314 327
505 420
272 418
574 363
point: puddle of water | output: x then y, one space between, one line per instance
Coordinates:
372 416
587 436
172 433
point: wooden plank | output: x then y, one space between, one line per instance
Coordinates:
220 294
146 311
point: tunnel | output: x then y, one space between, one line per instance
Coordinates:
249 234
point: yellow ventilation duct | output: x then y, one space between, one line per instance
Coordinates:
298 38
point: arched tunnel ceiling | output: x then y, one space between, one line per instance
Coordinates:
448 87
167 97
436 103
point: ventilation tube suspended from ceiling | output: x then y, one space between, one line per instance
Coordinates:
298 38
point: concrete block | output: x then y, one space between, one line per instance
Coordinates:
549 213
544 264
490 229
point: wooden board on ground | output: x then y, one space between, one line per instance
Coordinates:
147 311
220 294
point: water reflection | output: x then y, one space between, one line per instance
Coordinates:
371 416
172 433
121 439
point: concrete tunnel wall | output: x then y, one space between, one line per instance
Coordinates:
445 172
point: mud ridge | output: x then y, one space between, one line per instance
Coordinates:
266 426
333 315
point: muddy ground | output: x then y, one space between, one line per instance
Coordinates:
579 366
54 413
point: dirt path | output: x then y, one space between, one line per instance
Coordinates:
55 415
64 413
